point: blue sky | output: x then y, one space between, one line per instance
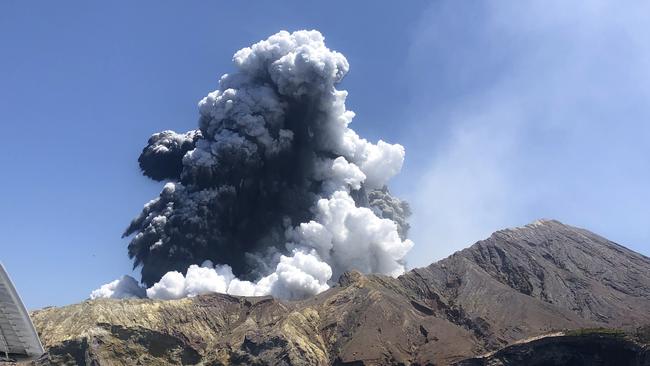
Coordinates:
508 113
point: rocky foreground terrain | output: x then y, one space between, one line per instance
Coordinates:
490 304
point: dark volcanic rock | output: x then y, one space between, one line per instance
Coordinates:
573 349
517 284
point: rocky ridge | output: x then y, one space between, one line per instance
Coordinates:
519 283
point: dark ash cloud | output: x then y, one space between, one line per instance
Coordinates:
272 187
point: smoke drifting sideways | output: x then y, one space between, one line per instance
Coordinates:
273 187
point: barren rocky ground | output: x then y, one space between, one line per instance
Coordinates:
519 283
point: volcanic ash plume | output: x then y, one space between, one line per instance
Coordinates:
273 187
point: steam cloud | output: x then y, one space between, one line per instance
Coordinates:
125 287
273 186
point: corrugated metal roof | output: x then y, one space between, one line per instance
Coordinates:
18 338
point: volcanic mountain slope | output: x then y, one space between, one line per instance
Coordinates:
516 284
536 278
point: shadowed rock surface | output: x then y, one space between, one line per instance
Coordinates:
600 347
517 284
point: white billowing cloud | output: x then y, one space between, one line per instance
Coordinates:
238 287
297 276
206 279
339 174
350 237
381 162
126 287
198 280
170 286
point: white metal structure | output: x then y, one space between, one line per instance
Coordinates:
18 338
